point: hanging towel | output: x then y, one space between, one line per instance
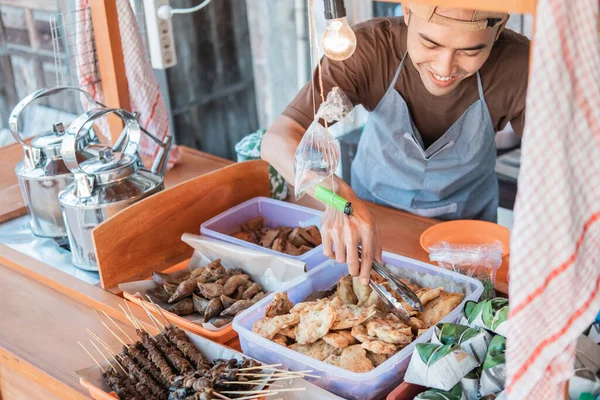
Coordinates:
555 252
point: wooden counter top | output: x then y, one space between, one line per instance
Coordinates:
44 311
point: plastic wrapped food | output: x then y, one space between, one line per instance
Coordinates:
318 155
478 261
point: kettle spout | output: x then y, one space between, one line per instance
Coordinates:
160 163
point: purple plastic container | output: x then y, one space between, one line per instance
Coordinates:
374 384
275 213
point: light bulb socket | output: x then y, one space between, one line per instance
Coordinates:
334 9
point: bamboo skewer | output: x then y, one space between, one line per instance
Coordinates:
222 396
159 310
249 383
261 367
115 335
129 318
265 391
118 327
103 356
93 358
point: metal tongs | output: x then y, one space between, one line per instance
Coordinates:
396 285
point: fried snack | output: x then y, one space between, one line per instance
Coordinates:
318 350
359 332
379 347
353 358
340 339
361 291
349 316
389 331
246 236
377 359
288 332
280 339
315 322
299 307
428 294
269 327
441 306
280 305
345 290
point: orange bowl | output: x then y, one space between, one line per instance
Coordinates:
467 232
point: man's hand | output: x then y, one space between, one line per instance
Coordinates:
344 234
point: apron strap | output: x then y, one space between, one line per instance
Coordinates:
480 87
397 74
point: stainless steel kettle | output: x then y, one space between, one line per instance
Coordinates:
107 183
42 174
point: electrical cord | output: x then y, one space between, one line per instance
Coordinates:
166 11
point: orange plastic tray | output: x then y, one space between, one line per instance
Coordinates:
222 336
406 391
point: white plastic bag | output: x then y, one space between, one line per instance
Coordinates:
477 261
318 155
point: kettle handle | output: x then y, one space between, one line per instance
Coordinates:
131 132
13 119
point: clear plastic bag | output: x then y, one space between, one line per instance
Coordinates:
477 261
318 155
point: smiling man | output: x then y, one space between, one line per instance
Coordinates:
439 84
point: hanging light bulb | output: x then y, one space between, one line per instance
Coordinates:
338 41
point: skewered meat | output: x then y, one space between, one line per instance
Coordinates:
184 289
200 304
233 282
140 355
210 290
213 309
236 308
280 305
315 322
251 291
182 307
187 348
156 356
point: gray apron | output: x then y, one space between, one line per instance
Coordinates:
454 178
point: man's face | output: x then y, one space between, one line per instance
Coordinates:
445 56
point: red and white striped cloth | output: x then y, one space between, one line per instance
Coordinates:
144 91
555 250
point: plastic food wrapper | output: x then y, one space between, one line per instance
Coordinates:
268 270
478 261
456 393
489 314
318 155
439 366
493 372
587 365
470 385
474 341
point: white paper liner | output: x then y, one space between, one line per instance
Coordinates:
269 270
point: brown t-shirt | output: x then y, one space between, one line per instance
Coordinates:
381 44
